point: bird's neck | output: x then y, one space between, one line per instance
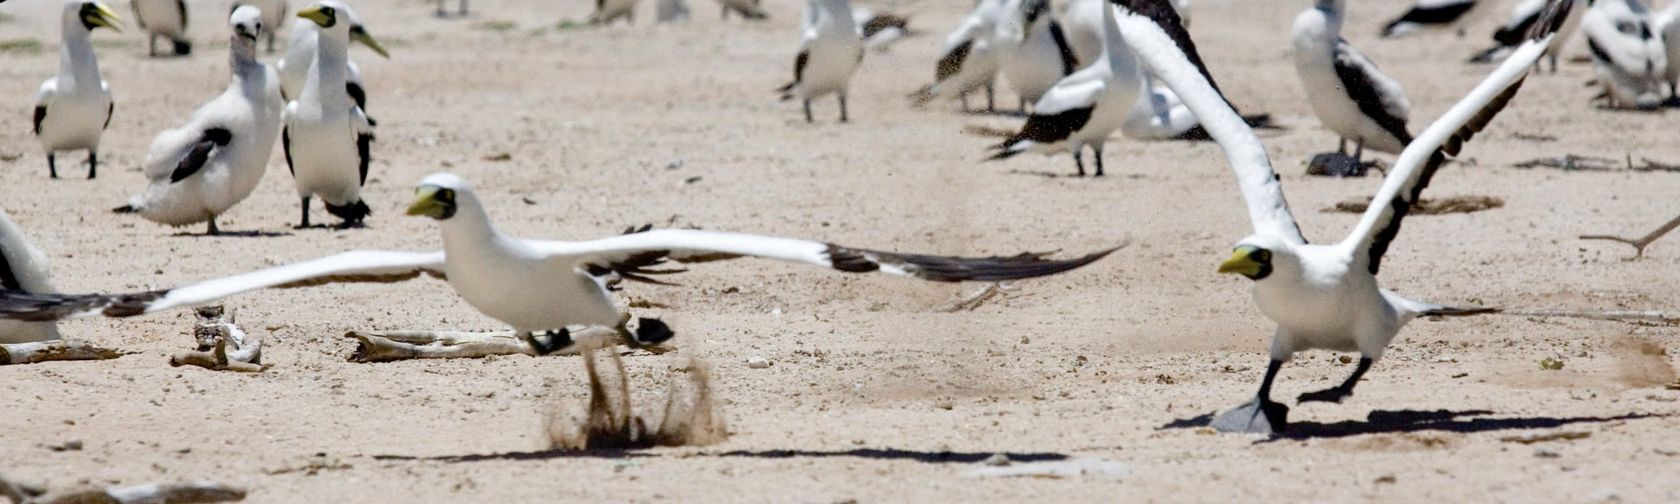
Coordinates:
76 60
470 227
327 72
242 57
1115 52
1332 10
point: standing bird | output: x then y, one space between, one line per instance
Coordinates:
163 18
1032 50
1322 296
969 61
200 170
1085 107
300 55
539 286
273 16
1667 24
747 9
1627 53
1524 15
73 109
326 136
1347 91
1428 14
23 268
830 50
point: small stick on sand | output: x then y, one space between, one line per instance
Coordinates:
54 350
1640 243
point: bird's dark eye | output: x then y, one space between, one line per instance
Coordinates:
446 195
1263 256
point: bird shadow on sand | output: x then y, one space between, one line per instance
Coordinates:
1070 175
994 113
1403 421
926 457
234 234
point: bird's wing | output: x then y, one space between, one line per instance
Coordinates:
1378 96
42 97
22 266
1417 164
199 153
364 141
1078 91
348 267
1154 32
1429 12
1523 16
636 252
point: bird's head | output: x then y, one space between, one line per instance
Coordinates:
247 23
1032 10
339 20
440 195
93 14
1259 257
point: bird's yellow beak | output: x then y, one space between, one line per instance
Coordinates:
359 34
102 15
317 14
1241 262
426 203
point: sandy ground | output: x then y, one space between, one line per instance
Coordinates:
875 394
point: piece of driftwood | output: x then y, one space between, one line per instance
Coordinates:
1639 243
387 346
53 350
1429 206
169 493
222 345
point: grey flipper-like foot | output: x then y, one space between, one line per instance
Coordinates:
1335 164
1337 393
1257 416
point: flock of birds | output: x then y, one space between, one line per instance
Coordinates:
1096 67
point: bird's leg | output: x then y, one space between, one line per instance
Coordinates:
440 11
1260 415
991 97
1337 393
808 119
1077 162
965 102
151 45
93 163
463 8
1096 156
1553 57
1341 147
270 42
213 231
842 96
1358 151
52 165
305 221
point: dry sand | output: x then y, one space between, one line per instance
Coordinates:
874 395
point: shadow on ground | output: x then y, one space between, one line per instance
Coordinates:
1393 422
926 457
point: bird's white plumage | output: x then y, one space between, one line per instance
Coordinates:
832 46
1667 24
28 265
1627 52
300 54
77 101
249 110
1324 61
274 15
1028 54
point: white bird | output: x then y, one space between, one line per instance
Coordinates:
1523 17
1346 90
607 11
968 61
300 54
163 18
1428 14
1627 53
1667 24
830 51
539 286
747 9
326 136
1084 108
23 268
274 14
73 108
1321 296
202 169
1032 50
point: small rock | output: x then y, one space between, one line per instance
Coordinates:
757 362
1025 340
1547 454
996 460
1387 479
499 156
1344 359
944 404
528 200
674 164
71 445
